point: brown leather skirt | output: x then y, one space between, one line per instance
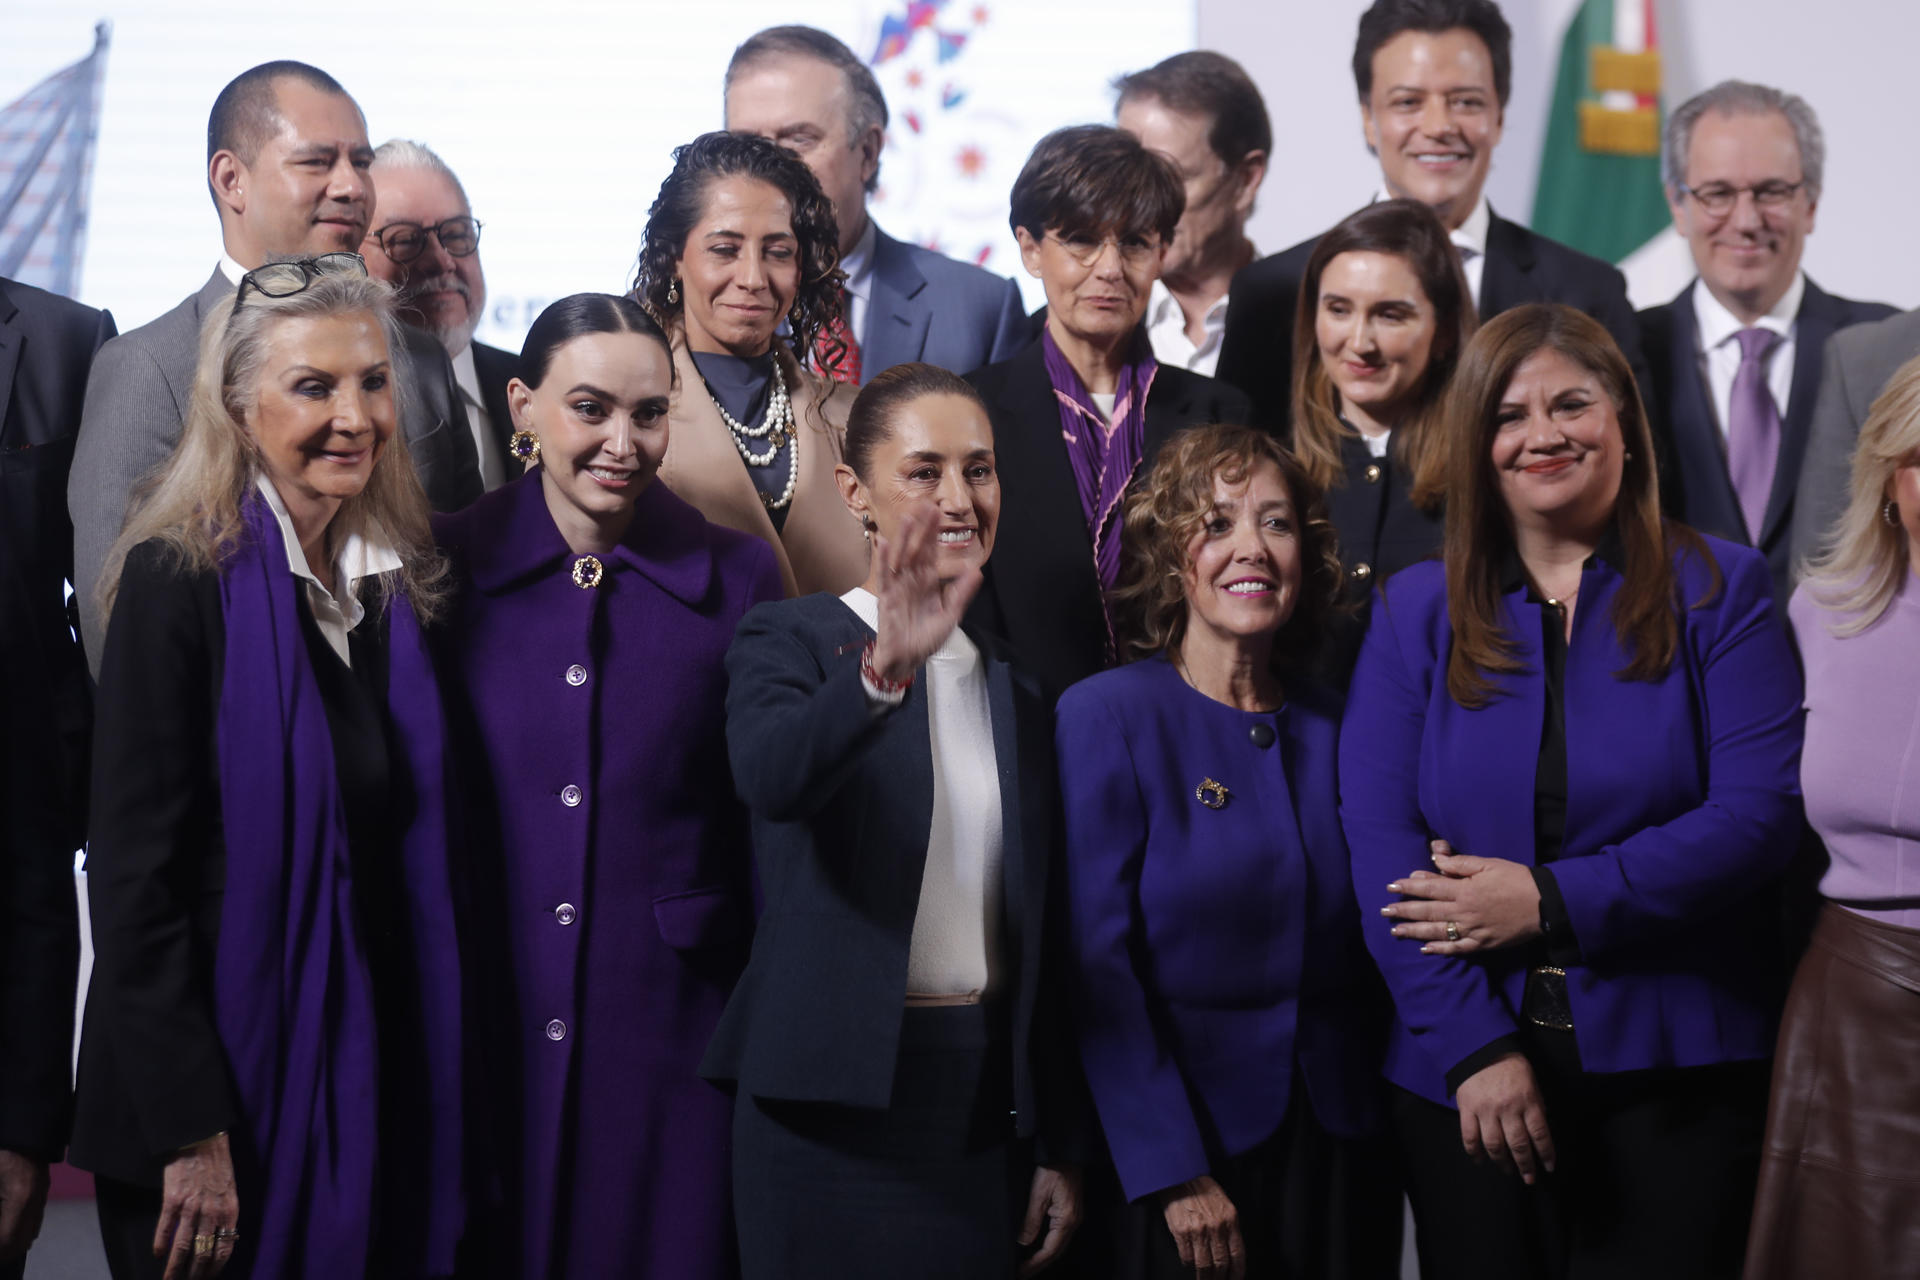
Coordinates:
1840 1173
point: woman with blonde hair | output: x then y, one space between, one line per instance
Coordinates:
270 1074
1840 1172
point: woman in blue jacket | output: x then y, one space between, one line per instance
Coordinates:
1598 709
1222 993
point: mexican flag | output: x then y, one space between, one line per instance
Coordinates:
1599 186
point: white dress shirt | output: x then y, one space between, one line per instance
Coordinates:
1470 238
1719 351
859 268
956 932
1167 330
493 471
355 559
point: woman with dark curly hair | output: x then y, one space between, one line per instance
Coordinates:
1222 989
740 240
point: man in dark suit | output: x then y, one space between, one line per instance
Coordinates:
1434 77
288 168
427 246
46 346
808 92
1736 356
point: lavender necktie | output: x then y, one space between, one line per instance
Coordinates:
1753 429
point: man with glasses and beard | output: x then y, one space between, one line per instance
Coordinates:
427 246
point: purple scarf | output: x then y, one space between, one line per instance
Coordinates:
1104 453
293 993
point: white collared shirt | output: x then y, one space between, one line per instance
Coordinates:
1470 238
1719 351
231 269
858 264
1167 330
493 471
357 558
955 947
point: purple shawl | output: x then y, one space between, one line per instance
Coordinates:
1104 454
293 992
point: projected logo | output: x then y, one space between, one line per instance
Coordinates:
950 159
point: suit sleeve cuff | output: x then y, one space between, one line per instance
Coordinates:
1556 926
1479 1060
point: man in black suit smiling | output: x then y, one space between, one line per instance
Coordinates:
1433 77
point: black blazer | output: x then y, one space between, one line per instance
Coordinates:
1381 532
1694 485
1256 352
46 348
497 368
842 799
1041 593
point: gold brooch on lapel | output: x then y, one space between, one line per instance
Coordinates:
1212 794
586 573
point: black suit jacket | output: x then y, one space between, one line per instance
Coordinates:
1694 484
842 800
1256 352
46 348
497 368
1041 593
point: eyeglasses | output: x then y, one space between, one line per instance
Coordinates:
405 241
284 279
1718 198
1135 250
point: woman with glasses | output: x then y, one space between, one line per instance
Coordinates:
608 853
739 266
270 1074
1596 711
1080 413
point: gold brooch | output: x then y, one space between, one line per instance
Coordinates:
1212 794
586 573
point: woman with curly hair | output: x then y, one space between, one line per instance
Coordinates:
739 241
1221 983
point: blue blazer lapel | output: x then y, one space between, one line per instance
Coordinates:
897 314
12 337
1711 504
1818 319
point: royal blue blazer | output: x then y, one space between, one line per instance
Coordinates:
1683 804
1215 955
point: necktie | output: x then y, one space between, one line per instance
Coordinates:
833 336
1753 429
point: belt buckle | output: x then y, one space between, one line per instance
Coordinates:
1545 1002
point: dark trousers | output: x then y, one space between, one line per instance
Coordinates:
128 1216
1654 1176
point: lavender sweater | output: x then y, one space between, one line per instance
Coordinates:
1860 770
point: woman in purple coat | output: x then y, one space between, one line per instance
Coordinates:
1595 710
611 903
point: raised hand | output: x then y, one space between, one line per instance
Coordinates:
917 610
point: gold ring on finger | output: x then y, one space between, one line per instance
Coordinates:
1453 932
202 1246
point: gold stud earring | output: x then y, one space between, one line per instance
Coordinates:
673 292
524 446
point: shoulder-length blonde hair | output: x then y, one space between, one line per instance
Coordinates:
1863 559
192 503
1410 231
1163 514
1479 529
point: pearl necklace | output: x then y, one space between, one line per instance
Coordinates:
776 430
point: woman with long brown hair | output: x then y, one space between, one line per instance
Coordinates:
1597 714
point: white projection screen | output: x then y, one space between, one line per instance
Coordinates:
559 115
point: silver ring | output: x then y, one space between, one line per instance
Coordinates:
1453 932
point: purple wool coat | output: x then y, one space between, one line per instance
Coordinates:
609 877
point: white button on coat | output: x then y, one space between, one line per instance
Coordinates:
570 795
576 674
556 1030
565 913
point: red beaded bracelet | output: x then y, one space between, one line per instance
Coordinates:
880 684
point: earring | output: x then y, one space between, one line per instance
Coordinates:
1890 512
525 446
867 528
673 292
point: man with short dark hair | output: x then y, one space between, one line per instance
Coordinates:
1736 356
426 244
807 91
1203 112
1433 78
288 163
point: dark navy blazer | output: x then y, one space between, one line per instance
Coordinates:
1683 804
842 803
1216 952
